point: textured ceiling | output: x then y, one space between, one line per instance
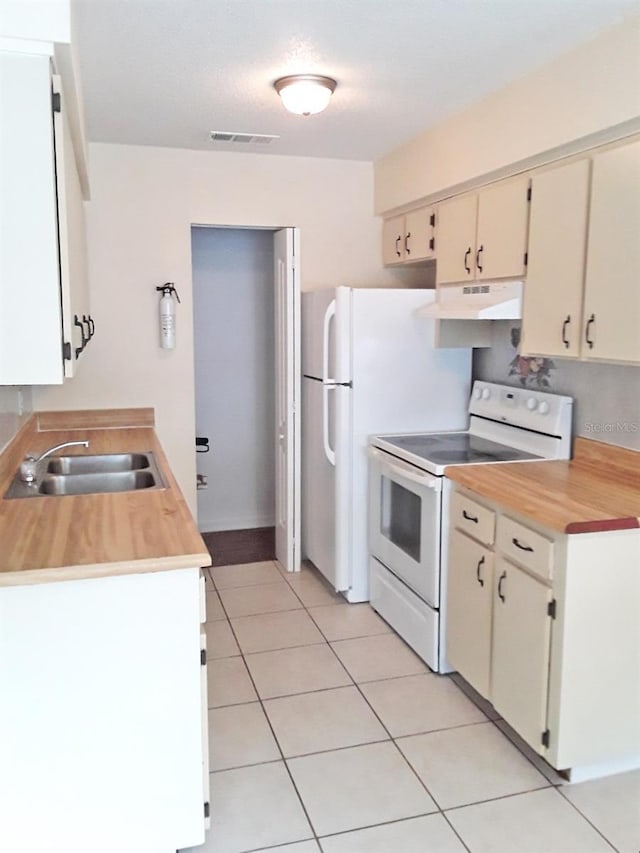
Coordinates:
166 72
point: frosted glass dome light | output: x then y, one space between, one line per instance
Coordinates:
305 94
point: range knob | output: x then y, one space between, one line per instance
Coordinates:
543 408
477 393
486 393
532 404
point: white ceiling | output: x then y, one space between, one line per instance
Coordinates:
166 72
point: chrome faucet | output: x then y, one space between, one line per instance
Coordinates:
28 466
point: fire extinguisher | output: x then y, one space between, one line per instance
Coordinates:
168 315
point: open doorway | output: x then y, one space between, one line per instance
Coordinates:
246 336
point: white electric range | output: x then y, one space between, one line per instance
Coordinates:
409 501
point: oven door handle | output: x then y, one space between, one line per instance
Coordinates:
404 470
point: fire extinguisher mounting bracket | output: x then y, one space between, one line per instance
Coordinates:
168 289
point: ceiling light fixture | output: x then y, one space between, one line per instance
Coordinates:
305 94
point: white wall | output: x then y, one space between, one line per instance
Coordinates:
233 302
144 201
15 408
595 86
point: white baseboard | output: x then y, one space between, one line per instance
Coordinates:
237 523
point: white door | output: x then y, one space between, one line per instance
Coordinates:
287 350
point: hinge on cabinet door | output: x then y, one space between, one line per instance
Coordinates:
56 104
432 220
432 244
207 809
545 737
66 351
203 657
551 608
526 258
529 194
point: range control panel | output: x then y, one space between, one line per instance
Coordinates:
523 407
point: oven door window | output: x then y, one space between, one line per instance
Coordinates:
405 528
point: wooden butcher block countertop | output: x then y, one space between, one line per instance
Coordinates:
45 539
598 490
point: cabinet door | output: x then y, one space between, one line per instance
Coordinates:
456 236
419 241
393 240
552 312
77 327
468 610
520 651
612 294
30 315
501 242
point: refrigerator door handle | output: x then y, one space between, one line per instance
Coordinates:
329 314
328 451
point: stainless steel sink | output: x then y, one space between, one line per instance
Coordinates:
91 484
90 474
97 464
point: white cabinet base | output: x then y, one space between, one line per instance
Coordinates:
100 714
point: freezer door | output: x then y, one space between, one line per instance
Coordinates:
326 322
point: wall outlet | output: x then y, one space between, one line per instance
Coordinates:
202 481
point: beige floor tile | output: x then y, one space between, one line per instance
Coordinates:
254 807
357 787
228 683
298 670
420 703
220 640
301 847
537 822
431 834
313 590
469 764
214 606
240 735
268 631
261 598
613 806
348 620
329 719
485 706
247 574
373 658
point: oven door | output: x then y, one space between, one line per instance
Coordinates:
405 515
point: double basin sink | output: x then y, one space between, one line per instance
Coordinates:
91 474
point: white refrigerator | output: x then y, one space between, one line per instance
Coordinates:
368 367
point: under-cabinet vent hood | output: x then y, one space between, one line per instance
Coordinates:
499 300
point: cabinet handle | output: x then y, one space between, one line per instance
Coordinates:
406 243
564 331
521 546
85 319
466 256
480 563
77 322
478 253
466 515
398 252
500 582
591 320
93 326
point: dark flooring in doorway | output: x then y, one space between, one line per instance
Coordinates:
232 547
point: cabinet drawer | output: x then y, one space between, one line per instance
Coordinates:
474 518
525 546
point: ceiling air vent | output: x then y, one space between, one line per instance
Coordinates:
242 138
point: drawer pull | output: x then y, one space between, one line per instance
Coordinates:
521 546
466 515
479 579
500 582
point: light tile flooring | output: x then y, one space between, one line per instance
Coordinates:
328 734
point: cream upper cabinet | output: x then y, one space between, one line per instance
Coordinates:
483 235
410 237
552 314
612 286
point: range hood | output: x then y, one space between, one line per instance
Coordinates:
497 300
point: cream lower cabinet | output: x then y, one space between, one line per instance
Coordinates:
552 637
581 297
